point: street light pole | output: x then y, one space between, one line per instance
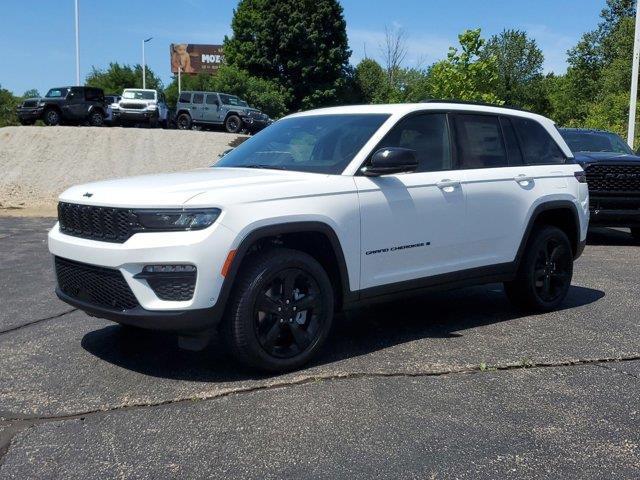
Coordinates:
634 80
144 67
77 46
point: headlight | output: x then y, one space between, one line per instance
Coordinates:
169 220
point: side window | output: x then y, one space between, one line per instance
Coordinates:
538 148
428 135
479 142
185 97
212 99
198 98
511 142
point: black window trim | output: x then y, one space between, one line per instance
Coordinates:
517 133
504 145
515 137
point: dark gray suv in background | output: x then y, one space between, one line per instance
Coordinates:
212 108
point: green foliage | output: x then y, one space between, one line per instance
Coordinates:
31 93
371 82
299 44
466 74
8 104
116 78
519 68
263 94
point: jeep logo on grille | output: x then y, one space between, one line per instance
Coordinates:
622 176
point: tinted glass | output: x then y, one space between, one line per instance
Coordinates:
139 95
511 142
428 136
230 99
479 142
538 148
212 99
198 98
589 141
92 94
313 143
185 97
57 93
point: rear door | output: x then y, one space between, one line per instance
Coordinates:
412 224
197 107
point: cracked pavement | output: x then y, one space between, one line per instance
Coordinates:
449 385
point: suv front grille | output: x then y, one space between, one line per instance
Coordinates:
100 286
30 103
178 289
132 106
98 223
613 178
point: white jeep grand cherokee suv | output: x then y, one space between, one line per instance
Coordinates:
325 210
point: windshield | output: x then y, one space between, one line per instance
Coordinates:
316 143
590 141
57 93
139 95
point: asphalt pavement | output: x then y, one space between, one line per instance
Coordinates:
448 385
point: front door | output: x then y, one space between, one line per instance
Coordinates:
197 107
211 112
412 224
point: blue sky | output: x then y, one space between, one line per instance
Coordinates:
37 36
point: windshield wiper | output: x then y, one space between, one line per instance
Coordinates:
262 165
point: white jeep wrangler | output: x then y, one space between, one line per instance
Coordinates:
325 210
138 106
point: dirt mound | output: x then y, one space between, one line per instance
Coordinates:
38 163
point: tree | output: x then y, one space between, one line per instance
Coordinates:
519 68
116 78
394 51
299 44
371 82
31 93
8 104
466 74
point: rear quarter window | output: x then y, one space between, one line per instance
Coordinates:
538 147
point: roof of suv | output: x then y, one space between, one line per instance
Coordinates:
405 108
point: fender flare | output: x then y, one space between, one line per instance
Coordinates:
283 228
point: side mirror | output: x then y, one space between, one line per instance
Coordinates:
389 160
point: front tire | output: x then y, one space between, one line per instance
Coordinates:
96 119
545 272
233 124
281 311
184 121
52 117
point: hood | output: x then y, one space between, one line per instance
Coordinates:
175 189
605 157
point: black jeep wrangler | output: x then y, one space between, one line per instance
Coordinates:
65 105
613 176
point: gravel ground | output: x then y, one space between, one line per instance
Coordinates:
38 163
449 385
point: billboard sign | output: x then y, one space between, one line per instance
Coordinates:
195 58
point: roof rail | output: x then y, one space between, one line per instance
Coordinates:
469 102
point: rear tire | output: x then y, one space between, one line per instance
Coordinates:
96 119
184 121
635 233
545 271
233 124
51 117
280 312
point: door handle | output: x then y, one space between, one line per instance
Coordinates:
523 179
448 185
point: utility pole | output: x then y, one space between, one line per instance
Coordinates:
179 79
634 80
77 46
144 67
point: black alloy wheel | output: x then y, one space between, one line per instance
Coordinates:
184 122
288 313
96 119
52 117
280 312
233 124
545 271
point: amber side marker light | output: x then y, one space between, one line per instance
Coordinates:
227 263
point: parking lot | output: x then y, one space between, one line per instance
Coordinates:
449 385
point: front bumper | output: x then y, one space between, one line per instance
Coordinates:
615 211
28 114
134 115
206 249
254 125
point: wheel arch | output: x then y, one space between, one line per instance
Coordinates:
315 238
94 108
562 214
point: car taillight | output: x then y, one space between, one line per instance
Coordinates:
581 176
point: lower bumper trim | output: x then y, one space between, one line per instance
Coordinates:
167 320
